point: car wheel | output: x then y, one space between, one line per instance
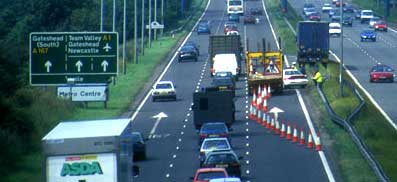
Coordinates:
386 30
374 40
174 98
153 99
195 59
179 60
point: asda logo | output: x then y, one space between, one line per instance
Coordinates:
81 168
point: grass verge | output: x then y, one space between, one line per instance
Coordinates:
378 7
372 127
122 94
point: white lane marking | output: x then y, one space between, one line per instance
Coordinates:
154 127
168 65
307 116
171 165
313 131
247 153
271 26
367 94
167 175
177 147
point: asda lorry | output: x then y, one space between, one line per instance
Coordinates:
89 151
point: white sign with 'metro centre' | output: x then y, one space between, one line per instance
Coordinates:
83 93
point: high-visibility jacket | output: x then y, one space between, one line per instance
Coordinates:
318 77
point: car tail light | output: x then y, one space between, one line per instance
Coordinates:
203 135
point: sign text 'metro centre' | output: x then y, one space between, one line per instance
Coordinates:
87 57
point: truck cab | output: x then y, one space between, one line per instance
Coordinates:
366 15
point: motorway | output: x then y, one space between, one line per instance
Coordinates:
359 57
172 150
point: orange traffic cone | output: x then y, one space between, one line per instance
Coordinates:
289 137
302 138
310 141
269 94
282 133
264 107
264 92
318 142
272 124
295 135
259 116
268 123
264 117
277 129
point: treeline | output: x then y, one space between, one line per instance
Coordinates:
28 113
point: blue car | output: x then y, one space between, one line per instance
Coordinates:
368 35
203 28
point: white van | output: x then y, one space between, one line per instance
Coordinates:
225 63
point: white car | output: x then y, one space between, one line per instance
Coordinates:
335 29
163 90
326 7
366 15
372 21
211 144
294 78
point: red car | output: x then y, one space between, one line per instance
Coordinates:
206 174
249 19
380 25
380 73
337 4
229 26
315 17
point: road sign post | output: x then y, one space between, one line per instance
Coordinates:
87 57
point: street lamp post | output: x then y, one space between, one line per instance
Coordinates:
341 49
135 31
150 21
114 15
124 36
101 28
143 28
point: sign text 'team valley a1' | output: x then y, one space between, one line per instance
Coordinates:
87 57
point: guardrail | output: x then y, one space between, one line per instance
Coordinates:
347 125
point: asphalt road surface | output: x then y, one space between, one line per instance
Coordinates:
172 150
359 57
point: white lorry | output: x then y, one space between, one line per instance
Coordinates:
366 15
89 151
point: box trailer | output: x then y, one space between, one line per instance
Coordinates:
89 151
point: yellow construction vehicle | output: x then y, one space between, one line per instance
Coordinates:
265 68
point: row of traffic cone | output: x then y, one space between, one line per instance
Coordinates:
284 131
259 103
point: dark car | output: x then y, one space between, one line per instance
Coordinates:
256 11
191 43
347 20
380 73
203 28
249 19
225 74
234 17
224 159
357 14
139 146
335 18
380 25
368 34
187 52
315 16
338 3
348 8
223 83
213 130
333 12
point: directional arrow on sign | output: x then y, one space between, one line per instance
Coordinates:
107 47
275 110
104 64
79 64
48 65
158 118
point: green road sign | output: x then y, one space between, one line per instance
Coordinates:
87 57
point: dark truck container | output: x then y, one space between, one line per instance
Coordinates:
224 44
213 105
312 42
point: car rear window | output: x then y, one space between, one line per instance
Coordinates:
382 69
163 86
211 175
218 144
295 72
214 128
221 159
